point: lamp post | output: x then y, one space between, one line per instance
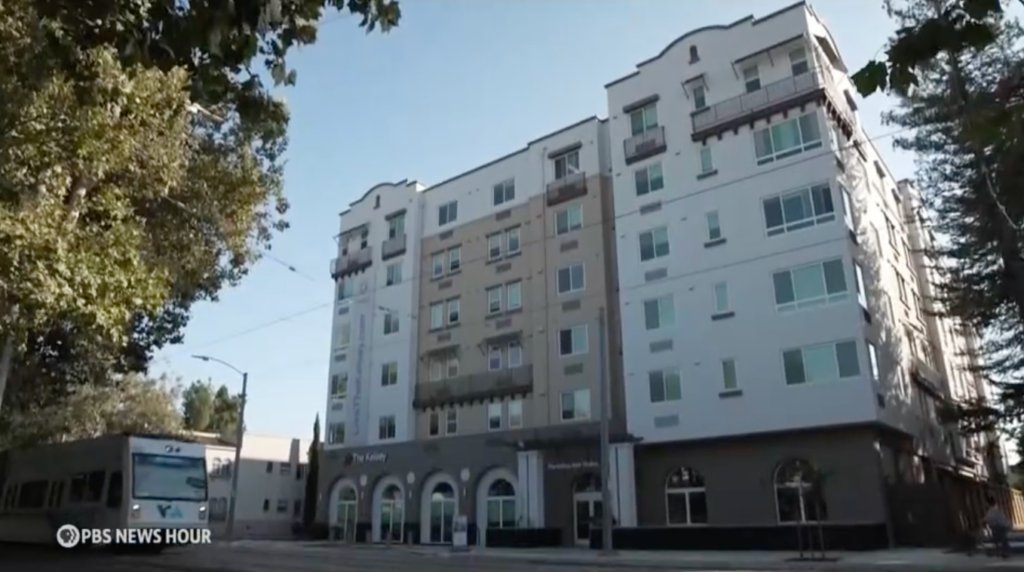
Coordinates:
240 432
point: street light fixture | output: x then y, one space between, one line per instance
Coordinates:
239 435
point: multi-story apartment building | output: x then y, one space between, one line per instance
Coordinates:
770 357
468 356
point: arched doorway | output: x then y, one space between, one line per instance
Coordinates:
389 517
496 502
587 508
346 514
442 513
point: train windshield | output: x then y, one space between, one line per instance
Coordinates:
165 477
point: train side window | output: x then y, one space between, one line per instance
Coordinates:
115 490
77 491
33 494
56 494
94 488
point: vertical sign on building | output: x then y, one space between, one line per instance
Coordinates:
362 368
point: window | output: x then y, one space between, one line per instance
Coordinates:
437 316
493 416
494 300
567 165
700 97
751 78
336 433
798 493
504 192
707 162
297 508
873 361
394 274
821 363
569 219
344 336
798 209
721 298
515 355
514 295
858 275
694 56
787 138
817 284
390 323
282 506
798 61
434 423
847 203
266 505
286 469
389 374
346 289
396 226
494 358
575 405
494 246
437 265
890 231
653 244
644 119
512 244
436 370
660 312
32 494
515 414
572 341
902 286
648 179
454 258
448 213
571 279
386 428
714 225
664 385
729 380
451 422
454 305
453 366
339 385
685 498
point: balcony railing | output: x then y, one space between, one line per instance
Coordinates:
351 262
567 188
474 387
393 247
647 144
769 95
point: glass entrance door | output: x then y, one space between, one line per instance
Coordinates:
442 513
347 520
587 510
391 522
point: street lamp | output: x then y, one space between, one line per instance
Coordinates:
240 432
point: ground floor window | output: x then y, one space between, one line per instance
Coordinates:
798 492
685 498
501 505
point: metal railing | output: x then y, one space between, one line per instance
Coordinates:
768 95
646 142
351 260
393 246
475 386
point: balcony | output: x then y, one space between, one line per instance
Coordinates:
351 263
567 188
392 247
647 144
474 387
773 98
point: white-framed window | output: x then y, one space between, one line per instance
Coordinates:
798 209
494 300
454 314
575 405
448 213
664 385
862 295
453 366
809 286
787 138
721 292
386 428
390 323
798 61
751 78
339 385
434 423
437 369
437 315
344 336
494 358
494 246
729 379
515 414
451 421
396 226
660 312
437 265
346 289
389 374
569 219
454 258
873 361
504 192
572 341
707 161
644 119
512 244
686 501
847 203
494 416
336 433
394 274
700 97
654 244
567 164
822 363
714 225
648 179
515 355
514 295
571 279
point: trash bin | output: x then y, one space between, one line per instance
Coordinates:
460 534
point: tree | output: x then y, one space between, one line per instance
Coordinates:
122 202
225 412
310 503
197 405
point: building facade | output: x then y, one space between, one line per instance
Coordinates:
726 252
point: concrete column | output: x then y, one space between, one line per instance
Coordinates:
623 481
530 492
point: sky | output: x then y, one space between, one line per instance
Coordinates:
457 84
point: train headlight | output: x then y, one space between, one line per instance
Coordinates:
202 512
136 510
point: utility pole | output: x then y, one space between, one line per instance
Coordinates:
607 520
239 436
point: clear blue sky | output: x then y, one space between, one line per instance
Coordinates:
459 83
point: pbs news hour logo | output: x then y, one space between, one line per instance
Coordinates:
70 536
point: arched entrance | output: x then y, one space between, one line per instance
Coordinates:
346 514
586 499
442 513
496 502
389 511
